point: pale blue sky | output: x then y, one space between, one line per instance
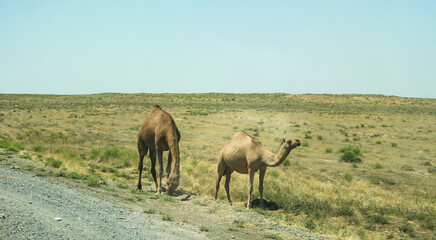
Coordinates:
80 47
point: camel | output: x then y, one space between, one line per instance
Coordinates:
245 154
159 133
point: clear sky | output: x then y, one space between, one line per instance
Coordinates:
80 47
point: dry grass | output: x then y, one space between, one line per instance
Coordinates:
391 193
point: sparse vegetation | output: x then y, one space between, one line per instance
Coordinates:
348 177
167 217
92 138
51 161
375 181
9 145
204 229
149 211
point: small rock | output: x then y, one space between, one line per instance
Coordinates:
57 219
15 167
2 216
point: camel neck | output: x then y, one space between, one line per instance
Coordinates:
277 159
176 160
175 154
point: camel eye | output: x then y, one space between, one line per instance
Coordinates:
289 142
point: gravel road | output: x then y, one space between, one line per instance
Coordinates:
29 206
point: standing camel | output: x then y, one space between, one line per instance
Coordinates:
159 133
245 154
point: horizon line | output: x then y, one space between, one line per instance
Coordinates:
235 93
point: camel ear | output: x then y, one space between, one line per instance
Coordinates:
283 140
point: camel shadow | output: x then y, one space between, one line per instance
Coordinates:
267 205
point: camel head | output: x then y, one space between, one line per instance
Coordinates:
172 183
290 144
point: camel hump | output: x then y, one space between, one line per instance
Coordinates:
256 142
157 106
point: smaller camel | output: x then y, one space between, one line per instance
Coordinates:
159 133
245 154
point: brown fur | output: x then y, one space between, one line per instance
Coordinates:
245 154
159 133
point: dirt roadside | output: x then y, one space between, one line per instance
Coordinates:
30 204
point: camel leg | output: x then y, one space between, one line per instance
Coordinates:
170 159
261 176
228 174
159 183
221 169
153 165
142 149
250 188
218 180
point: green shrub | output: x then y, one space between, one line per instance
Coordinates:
51 161
377 218
369 226
239 223
189 170
348 177
374 181
39 149
305 144
10 145
344 208
149 211
75 175
349 157
310 224
286 162
93 180
352 149
167 217
407 228
378 142
407 167
58 135
429 223
329 150
307 136
378 166
319 137
94 154
394 144
271 236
